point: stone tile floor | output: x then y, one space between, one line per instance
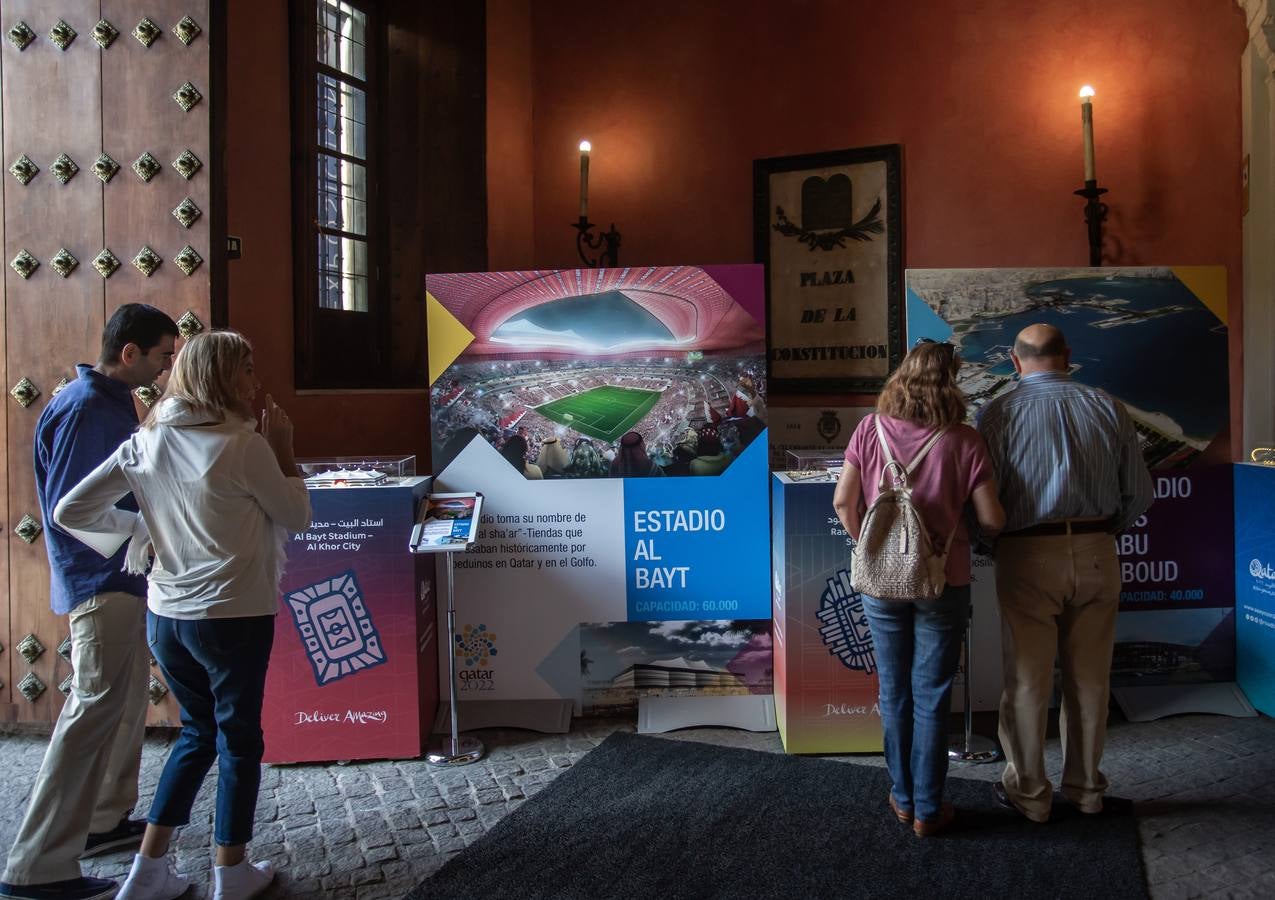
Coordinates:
1205 787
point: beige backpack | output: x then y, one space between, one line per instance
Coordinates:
894 558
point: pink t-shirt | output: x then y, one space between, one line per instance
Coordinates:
941 485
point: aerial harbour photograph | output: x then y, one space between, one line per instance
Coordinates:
1115 320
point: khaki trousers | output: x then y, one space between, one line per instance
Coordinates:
88 780
1058 595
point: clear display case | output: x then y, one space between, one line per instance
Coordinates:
356 471
814 465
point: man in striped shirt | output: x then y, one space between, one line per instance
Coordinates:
1071 476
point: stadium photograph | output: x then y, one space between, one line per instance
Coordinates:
648 371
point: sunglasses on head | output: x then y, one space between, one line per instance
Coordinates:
926 340
946 345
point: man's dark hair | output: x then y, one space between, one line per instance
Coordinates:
135 323
1054 345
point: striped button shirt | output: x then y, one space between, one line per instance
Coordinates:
1064 450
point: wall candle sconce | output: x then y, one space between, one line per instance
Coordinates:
1095 212
608 242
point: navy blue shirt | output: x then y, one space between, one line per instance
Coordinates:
79 428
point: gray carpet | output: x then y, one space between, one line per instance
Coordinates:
654 818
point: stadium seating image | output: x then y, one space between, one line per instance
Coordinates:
587 356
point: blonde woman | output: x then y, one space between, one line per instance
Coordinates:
918 643
217 501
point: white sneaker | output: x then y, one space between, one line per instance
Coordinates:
241 881
152 879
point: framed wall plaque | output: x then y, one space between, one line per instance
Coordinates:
828 227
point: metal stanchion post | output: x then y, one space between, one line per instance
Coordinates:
970 747
457 750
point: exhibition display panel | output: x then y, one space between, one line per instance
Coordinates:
354 670
825 668
615 422
1255 583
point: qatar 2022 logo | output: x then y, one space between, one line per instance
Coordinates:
845 629
475 647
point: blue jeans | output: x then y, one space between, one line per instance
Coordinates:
918 649
216 668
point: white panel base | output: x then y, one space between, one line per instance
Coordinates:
754 712
1155 701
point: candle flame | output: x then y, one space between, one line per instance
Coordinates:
1086 92
585 146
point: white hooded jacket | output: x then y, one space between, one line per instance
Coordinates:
214 504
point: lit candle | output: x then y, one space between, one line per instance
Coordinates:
1086 122
585 147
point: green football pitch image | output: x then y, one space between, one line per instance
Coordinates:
604 413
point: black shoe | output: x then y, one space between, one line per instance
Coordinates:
1003 801
83 888
128 833
1002 798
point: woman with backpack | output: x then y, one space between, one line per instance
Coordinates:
911 470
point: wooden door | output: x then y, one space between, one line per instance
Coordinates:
103 107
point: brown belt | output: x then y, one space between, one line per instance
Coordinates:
1070 526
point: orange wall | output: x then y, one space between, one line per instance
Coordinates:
510 149
680 98
259 209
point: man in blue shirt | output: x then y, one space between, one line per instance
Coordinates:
88 782
1071 475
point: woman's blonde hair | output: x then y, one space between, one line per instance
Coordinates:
204 373
923 388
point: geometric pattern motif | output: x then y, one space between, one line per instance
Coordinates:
336 628
105 33
25 391
105 168
24 264
106 263
147 32
187 259
63 262
477 645
62 34
147 261
189 325
147 166
21 35
845 629
28 529
31 687
30 648
148 394
186 30
187 212
64 168
24 169
187 164
187 96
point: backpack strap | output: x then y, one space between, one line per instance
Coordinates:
925 449
903 472
900 471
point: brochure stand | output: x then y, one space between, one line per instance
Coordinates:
448 525
970 747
